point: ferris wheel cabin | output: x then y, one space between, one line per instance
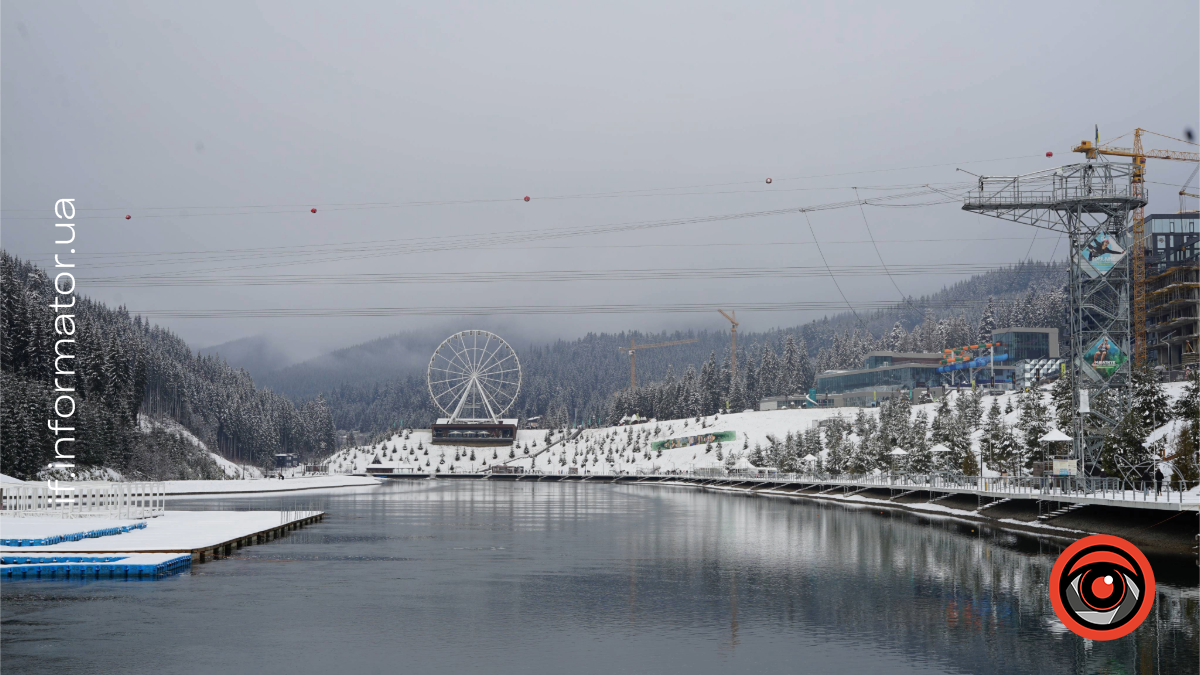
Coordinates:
474 432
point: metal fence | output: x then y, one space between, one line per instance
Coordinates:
81 500
1045 487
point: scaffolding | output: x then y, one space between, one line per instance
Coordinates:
1089 204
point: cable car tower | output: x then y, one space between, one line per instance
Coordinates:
1090 204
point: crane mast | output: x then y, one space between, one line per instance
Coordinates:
1138 154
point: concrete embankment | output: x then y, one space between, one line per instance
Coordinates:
1170 532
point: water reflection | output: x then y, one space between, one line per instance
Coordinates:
522 577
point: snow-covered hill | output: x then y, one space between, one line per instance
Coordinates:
630 449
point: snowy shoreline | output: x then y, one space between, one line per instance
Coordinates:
196 488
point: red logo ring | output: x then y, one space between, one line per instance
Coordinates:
1102 587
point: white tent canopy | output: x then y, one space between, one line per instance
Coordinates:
939 448
743 463
809 457
898 452
1054 435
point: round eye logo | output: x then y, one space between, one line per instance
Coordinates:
1102 587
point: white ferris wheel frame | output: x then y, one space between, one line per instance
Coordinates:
473 369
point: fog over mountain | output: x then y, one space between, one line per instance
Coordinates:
644 145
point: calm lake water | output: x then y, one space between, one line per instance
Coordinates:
471 576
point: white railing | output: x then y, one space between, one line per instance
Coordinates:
81 500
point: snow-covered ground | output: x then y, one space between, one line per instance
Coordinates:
147 424
611 450
235 470
206 487
750 428
173 531
42 527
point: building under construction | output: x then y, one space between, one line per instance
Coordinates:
1173 291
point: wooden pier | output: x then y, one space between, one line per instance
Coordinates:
226 549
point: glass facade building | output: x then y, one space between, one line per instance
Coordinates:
1025 344
885 378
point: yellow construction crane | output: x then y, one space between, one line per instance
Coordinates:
732 354
633 350
1183 190
1139 155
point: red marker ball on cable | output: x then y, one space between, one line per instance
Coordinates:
314 210
768 181
526 197
127 217
1049 154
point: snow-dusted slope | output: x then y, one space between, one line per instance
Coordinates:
612 449
147 424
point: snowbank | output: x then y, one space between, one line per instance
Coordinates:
262 485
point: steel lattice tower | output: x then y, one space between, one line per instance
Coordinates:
1090 204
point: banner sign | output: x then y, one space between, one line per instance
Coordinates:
699 439
1100 255
1066 467
1104 357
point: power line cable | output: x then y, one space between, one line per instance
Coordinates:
557 276
393 204
831 275
509 310
862 211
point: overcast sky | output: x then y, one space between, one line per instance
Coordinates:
217 126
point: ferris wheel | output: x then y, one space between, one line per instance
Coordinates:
474 375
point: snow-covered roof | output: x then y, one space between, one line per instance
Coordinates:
9 479
1054 435
446 420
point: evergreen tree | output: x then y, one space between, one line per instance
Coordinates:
791 374
1149 399
896 338
768 373
1033 423
987 322
1187 408
994 431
